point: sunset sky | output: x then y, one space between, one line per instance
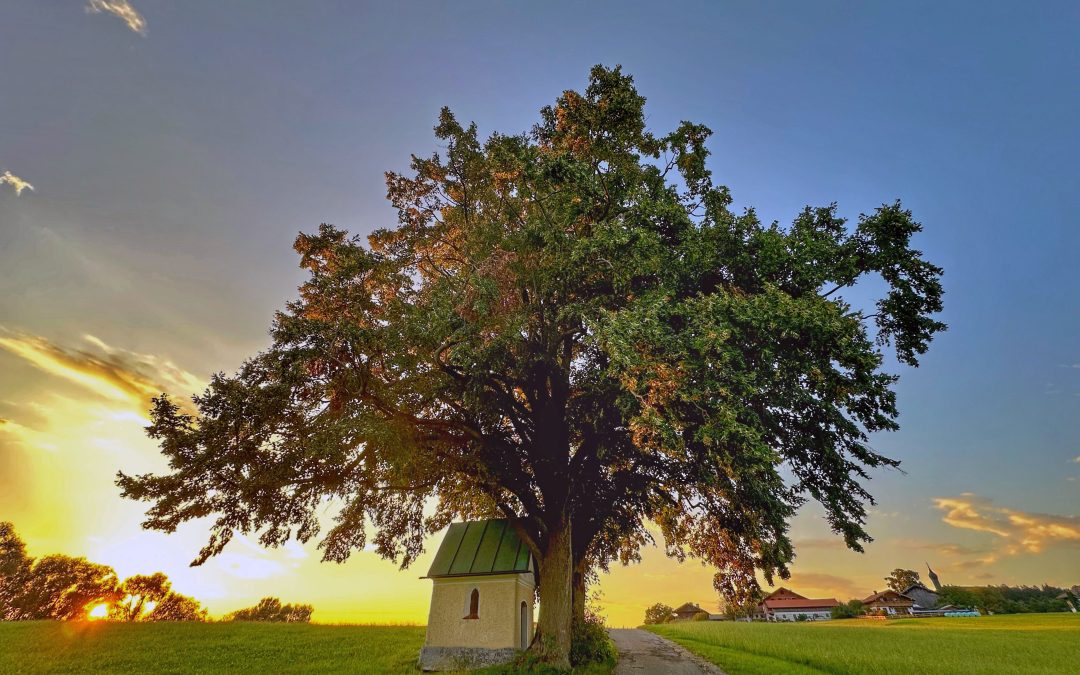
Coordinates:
158 158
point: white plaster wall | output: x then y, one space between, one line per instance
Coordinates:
498 625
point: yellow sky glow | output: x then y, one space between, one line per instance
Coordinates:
62 443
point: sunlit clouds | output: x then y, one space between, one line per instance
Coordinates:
17 184
1018 531
121 9
113 373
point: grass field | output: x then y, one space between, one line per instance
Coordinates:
263 648
99 647
1023 643
1017 643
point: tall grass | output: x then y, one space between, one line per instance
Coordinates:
1021 643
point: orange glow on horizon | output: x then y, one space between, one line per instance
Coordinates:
98 612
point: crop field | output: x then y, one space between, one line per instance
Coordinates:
1017 643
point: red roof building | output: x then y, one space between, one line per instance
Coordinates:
786 605
889 602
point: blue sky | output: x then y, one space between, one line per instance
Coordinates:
172 170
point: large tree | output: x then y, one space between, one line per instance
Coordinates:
901 579
570 328
61 587
139 593
15 567
176 607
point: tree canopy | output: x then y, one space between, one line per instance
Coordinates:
138 591
900 579
658 613
572 328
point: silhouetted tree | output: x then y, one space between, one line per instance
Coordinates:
900 579
137 591
14 570
570 328
63 587
271 609
12 550
658 613
176 607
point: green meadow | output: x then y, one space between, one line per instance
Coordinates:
1023 643
78 647
1015 643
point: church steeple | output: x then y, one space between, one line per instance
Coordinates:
933 578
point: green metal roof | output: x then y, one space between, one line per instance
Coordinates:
480 547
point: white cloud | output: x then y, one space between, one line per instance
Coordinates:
14 181
121 9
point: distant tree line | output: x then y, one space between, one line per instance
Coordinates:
1006 599
65 588
271 609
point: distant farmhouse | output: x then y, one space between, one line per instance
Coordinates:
687 611
785 605
916 600
481 598
888 602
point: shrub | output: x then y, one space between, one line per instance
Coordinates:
271 609
700 616
848 610
590 642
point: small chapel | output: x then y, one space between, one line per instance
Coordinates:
482 597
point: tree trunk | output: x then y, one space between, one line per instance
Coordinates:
580 592
553 627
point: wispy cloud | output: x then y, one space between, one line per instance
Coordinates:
113 373
15 182
1076 460
1019 531
121 9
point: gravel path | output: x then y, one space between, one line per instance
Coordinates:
645 653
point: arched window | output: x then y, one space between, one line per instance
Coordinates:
524 622
474 605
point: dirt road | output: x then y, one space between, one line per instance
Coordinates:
643 653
